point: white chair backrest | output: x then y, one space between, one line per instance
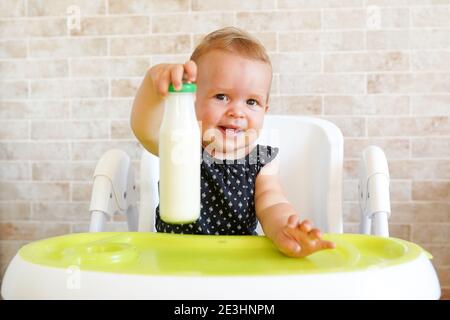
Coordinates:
310 168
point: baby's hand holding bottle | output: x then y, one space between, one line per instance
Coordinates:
165 74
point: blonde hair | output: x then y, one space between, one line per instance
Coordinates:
233 40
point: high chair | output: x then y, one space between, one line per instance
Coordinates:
310 162
150 265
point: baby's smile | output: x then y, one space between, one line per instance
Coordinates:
231 130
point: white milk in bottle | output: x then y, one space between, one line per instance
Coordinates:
179 158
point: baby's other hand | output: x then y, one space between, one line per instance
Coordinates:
299 239
165 74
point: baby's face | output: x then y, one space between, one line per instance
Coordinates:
232 99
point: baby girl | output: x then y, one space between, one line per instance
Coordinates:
239 178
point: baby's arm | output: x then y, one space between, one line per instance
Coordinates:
147 112
280 221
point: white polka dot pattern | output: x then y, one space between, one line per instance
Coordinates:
227 195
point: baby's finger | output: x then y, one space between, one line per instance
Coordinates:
290 248
315 233
300 237
285 242
292 221
191 70
156 71
305 226
324 244
163 81
176 76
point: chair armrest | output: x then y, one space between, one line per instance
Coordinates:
373 189
113 190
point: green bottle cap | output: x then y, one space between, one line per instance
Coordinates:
186 87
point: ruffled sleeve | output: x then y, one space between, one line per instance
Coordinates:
265 154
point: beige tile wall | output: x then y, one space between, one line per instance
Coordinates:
66 95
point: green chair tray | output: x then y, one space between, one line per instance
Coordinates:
204 255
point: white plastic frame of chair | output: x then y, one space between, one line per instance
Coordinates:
311 162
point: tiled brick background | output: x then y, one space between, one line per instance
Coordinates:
378 69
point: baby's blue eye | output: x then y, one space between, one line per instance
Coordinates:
221 97
252 102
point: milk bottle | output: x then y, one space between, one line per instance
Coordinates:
179 158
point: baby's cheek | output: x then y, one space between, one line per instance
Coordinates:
205 123
200 115
207 116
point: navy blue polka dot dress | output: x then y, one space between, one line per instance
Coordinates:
227 195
